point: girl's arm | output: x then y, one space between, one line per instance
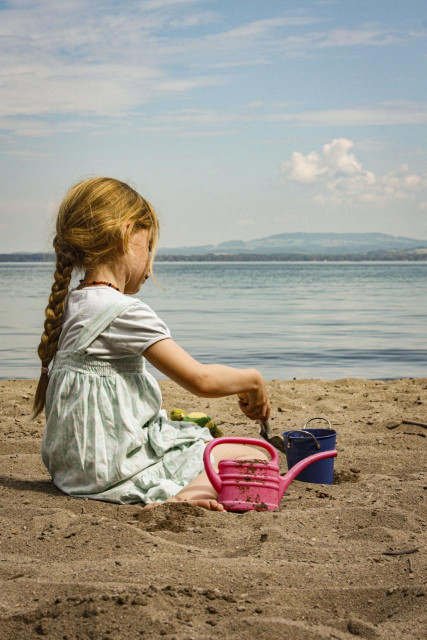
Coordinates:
211 380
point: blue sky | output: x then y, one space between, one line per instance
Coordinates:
235 118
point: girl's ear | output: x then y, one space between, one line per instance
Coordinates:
126 236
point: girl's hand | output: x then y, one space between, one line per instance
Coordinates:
255 404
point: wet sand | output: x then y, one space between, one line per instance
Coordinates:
317 568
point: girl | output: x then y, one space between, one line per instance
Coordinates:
106 436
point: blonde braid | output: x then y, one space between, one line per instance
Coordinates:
54 313
94 226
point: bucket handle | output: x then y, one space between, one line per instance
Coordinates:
325 419
306 433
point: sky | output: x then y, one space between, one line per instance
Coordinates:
236 119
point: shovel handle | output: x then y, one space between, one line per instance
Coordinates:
264 428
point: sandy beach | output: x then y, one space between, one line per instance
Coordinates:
317 568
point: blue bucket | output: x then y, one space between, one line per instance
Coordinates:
304 442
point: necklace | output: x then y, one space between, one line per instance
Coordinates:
94 282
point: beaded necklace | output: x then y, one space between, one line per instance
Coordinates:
94 282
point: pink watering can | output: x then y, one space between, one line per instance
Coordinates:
244 485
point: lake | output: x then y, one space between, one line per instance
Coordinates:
289 320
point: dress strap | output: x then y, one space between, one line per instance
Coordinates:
99 322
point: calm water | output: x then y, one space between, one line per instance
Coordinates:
315 320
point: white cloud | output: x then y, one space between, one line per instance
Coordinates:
91 59
259 28
343 178
413 181
245 222
305 168
28 153
385 115
162 4
33 127
367 35
187 84
194 20
195 116
94 59
75 89
255 104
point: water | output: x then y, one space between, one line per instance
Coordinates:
313 320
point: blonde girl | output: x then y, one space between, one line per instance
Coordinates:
106 436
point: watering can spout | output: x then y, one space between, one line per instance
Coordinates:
291 475
247 483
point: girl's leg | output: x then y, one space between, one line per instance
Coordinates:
200 492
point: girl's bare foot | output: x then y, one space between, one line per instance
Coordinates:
199 492
205 503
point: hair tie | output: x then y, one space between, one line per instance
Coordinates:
45 369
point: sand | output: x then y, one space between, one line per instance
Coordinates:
72 568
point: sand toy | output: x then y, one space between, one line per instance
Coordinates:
305 442
197 417
276 441
245 485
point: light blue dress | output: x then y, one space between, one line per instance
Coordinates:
106 437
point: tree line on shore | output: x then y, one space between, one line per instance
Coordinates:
371 256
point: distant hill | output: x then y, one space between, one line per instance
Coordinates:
305 243
284 247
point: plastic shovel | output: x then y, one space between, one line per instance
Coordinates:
276 441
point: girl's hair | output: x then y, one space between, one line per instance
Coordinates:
91 229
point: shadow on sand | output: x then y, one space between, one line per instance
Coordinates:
39 486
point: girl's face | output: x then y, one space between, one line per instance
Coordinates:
138 265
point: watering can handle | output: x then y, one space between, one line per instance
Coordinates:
311 420
214 478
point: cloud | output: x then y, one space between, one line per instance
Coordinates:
162 4
86 60
412 113
196 116
28 153
343 179
198 121
304 168
186 84
366 35
262 28
245 222
94 59
255 104
384 114
261 41
35 127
